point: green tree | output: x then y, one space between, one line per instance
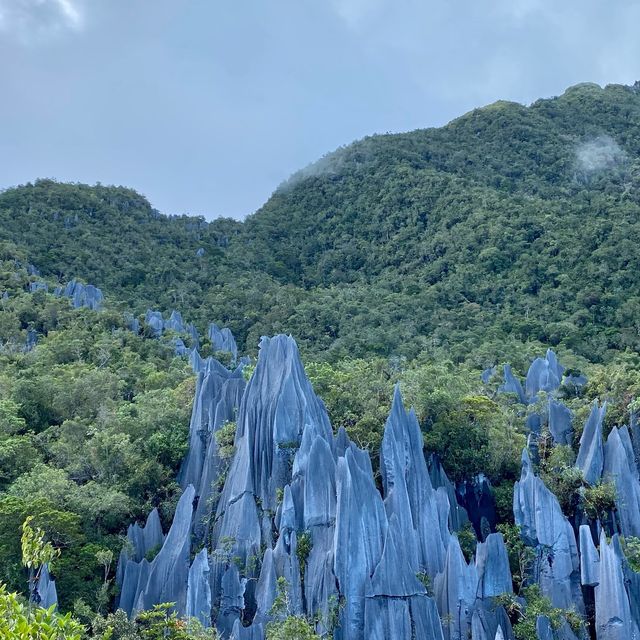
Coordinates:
18 622
287 626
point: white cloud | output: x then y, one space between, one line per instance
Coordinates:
599 154
35 21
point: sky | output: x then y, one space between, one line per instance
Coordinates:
206 106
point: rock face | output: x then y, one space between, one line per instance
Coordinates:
560 422
198 590
38 285
614 619
31 341
131 322
222 340
157 325
513 385
458 516
542 524
140 542
544 375
620 468
155 322
47 589
591 456
166 577
589 559
217 398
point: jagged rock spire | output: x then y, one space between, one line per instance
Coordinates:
166 577
590 456
613 609
619 467
543 525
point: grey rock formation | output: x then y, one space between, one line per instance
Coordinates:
157 325
613 610
83 295
632 584
131 322
194 336
175 322
560 422
409 493
544 374
361 530
487 374
222 340
199 590
591 456
31 341
538 514
155 322
300 504
47 589
140 542
458 516
166 577
589 559
390 589
277 406
38 285
217 398
574 382
232 600
620 467
492 565
180 347
513 385
455 592
544 631
254 632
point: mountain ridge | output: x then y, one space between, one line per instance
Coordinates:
493 216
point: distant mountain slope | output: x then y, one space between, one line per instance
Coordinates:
510 223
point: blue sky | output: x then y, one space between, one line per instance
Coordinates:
205 106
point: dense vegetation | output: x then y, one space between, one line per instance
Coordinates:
418 258
511 224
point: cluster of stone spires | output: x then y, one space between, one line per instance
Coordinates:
368 552
220 339
91 297
569 568
81 295
371 551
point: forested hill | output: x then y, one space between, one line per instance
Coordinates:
510 225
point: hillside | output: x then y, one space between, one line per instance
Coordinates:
510 223
402 265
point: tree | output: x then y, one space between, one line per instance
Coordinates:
36 554
18 622
285 625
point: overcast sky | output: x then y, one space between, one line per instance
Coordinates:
205 106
